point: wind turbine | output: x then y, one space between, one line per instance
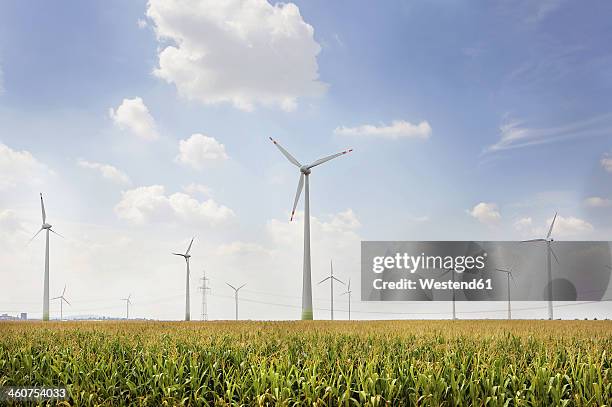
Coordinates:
47 227
452 271
128 301
331 278
349 292
304 176
548 239
186 256
509 276
236 296
62 299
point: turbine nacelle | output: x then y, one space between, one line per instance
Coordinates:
305 170
46 226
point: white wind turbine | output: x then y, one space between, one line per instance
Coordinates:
187 256
62 299
304 176
236 296
549 251
452 271
47 227
331 278
349 292
508 276
128 302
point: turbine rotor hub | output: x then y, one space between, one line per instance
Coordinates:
305 170
46 226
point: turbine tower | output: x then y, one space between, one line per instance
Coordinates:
186 255
205 288
452 271
62 299
349 292
331 278
509 276
47 228
128 301
236 296
548 239
305 171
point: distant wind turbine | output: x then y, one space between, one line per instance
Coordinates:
508 276
236 296
549 251
187 256
47 227
331 278
452 271
349 292
62 298
128 301
304 176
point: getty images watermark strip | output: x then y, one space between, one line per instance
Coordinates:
485 271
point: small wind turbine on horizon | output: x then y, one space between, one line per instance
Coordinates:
509 276
452 271
331 278
62 300
186 256
236 296
47 227
128 301
548 239
349 292
305 171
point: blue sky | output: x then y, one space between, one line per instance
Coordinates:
515 96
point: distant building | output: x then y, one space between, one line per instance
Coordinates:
23 316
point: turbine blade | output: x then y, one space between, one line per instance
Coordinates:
241 286
329 157
338 280
286 153
64 292
234 288
503 271
349 286
40 230
42 207
554 255
551 226
189 248
55 298
67 302
324 280
179 254
533 240
53 231
297 195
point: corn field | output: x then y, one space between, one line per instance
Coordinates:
421 363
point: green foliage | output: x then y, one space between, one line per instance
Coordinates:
394 363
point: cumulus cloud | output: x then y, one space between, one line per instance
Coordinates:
523 223
194 188
18 167
107 171
242 52
606 162
397 129
199 149
597 202
9 222
570 227
486 213
133 115
151 204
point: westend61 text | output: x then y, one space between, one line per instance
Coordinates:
432 284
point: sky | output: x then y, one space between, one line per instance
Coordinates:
146 123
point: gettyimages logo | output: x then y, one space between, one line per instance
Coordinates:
412 264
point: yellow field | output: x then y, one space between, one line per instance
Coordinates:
314 363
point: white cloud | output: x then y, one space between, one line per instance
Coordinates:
141 23
597 202
107 171
514 134
242 52
606 162
18 167
133 115
9 222
570 227
151 204
523 223
241 248
397 129
486 213
194 188
199 149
